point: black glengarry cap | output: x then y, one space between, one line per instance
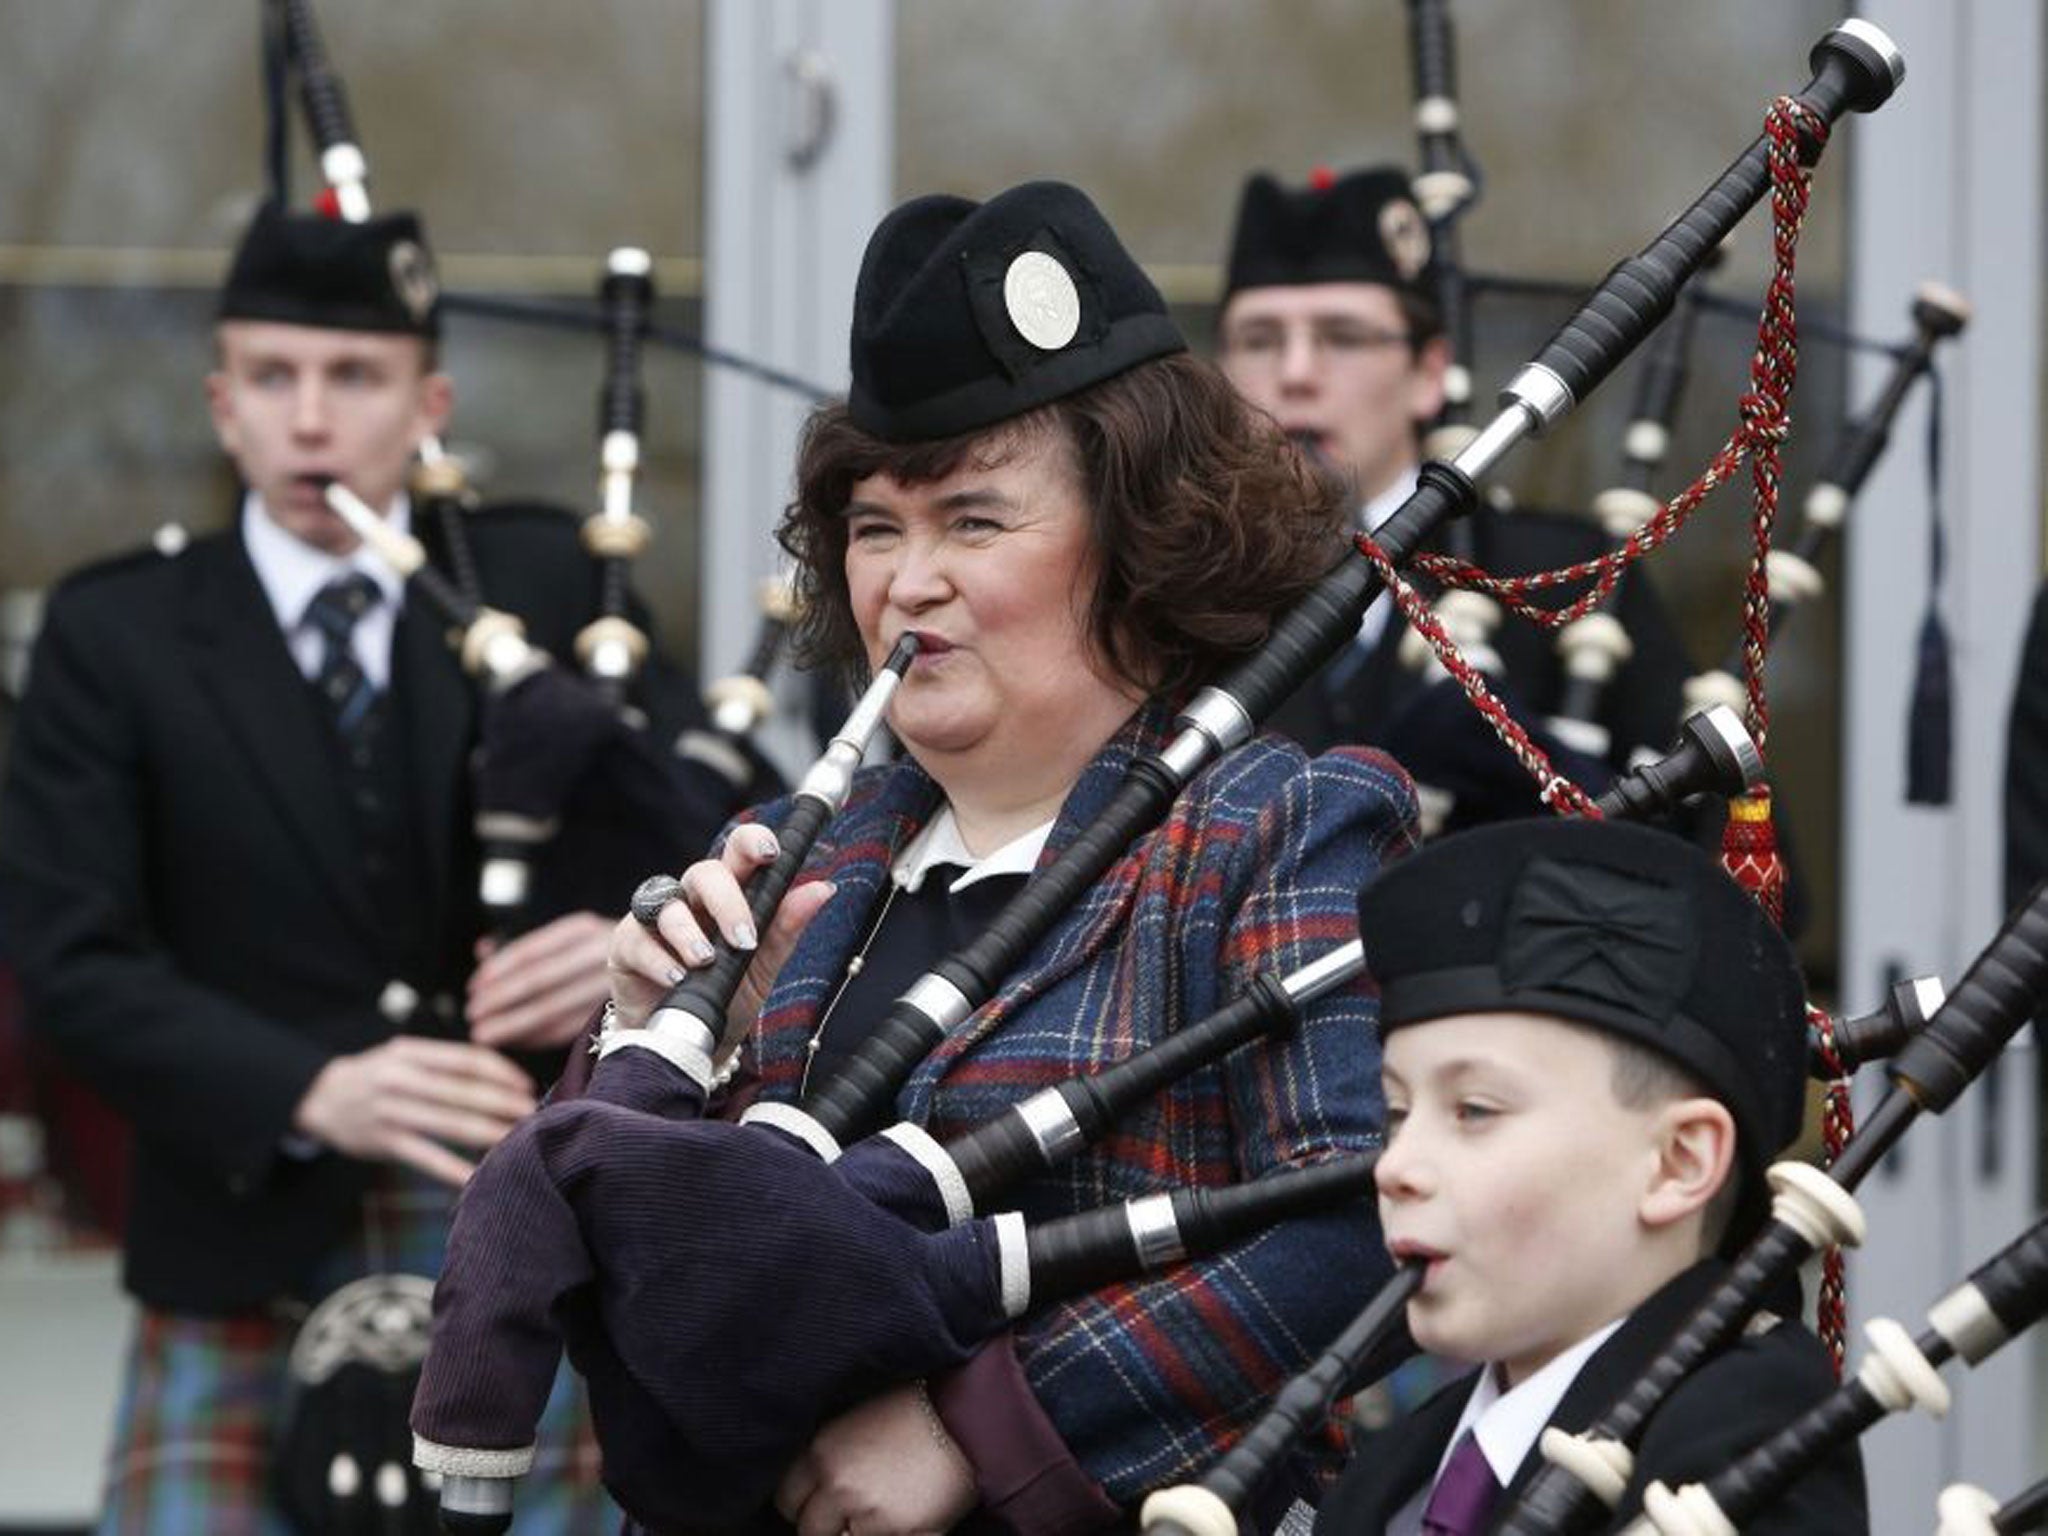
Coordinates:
1622 929
967 314
304 269
1362 227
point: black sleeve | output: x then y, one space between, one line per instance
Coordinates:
195 1070
1737 1401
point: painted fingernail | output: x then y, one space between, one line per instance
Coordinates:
700 953
743 936
765 844
675 976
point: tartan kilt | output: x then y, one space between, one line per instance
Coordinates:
202 1397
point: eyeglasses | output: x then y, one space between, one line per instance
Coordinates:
1262 344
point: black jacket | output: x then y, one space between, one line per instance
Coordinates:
182 898
1738 1398
1377 700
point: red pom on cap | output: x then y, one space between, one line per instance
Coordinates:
1321 179
328 203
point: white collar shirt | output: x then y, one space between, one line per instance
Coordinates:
940 843
1506 1424
292 572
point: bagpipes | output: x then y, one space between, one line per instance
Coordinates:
1857 69
2001 1299
914 1278
1462 774
1793 575
1810 1209
612 647
1595 644
1594 648
1446 188
550 743
1376 1341
605 1203
555 1156
740 701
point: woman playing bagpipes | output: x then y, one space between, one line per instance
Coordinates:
1081 523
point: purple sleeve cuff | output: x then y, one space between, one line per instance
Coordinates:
1028 1479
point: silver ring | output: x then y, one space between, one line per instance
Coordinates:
651 895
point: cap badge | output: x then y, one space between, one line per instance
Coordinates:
1042 301
1405 234
412 278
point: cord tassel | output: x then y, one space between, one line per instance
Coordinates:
1930 717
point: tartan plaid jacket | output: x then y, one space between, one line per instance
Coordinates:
1257 868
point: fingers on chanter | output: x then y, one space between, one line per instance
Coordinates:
636 953
718 887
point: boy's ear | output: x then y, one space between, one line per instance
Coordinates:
1695 1158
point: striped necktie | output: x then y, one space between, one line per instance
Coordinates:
334 613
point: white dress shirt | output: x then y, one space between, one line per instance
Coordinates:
1506 1424
939 842
292 571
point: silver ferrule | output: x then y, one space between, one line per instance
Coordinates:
939 1000
1724 723
1050 1120
1223 723
1340 965
830 777
1478 457
1878 40
868 712
478 1496
1540 392
1154 1232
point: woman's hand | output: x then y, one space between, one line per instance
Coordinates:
645 963
886 1468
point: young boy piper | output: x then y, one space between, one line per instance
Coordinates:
1594 1044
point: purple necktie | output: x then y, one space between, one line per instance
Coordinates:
1464 1493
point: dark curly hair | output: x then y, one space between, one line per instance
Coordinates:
1208 522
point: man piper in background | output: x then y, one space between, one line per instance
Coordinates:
239 884
1331 323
